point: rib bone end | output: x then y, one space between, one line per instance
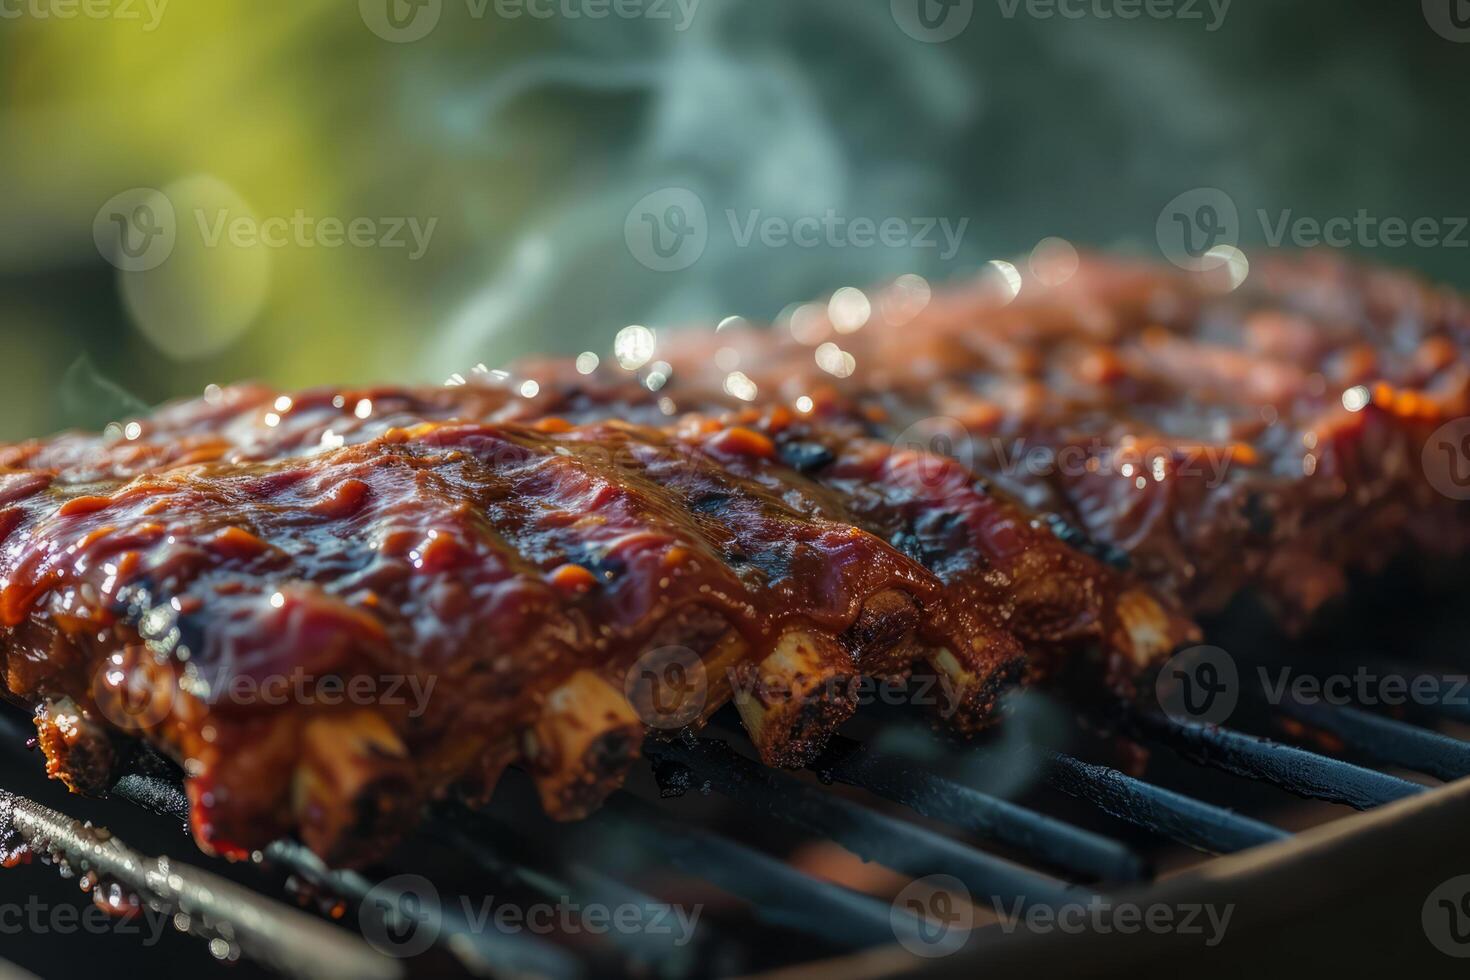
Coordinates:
354 782
794 699
971 681
581 748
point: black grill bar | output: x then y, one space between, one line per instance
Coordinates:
286 938
1174 816
873 836
777 893
1052 842
490 843
1387 740
481 952
1296 770
485 952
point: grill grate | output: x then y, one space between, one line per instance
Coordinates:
1170 815
1032 856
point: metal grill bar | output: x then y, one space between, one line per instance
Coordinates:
216 907
1295 770
872 836
397 911
481 952
1172 815
487 842
1052 842
1387 740
777 893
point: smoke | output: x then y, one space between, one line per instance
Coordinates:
752 109
1020 128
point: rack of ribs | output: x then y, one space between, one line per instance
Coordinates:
332 607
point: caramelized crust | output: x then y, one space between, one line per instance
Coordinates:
508 577
501 579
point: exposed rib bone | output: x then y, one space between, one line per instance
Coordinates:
970 681
796 697
581 747
1148 630
352 782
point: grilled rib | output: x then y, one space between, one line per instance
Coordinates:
516 571
524 558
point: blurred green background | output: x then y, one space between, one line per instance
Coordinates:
521 142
